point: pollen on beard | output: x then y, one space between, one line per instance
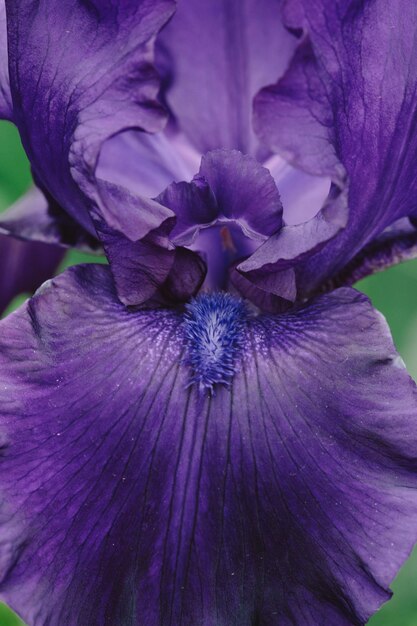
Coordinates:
214 327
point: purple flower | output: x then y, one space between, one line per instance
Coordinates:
215 429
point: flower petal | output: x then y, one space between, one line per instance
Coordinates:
5 96
145 163
79 73
129 498
229 186
145 264
396 244
275 267
216 55
347 108
228 210
24 266
302 194
294 118
35 218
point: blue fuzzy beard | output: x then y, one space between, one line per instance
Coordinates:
214 329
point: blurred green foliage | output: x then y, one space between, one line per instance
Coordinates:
393 292
15 177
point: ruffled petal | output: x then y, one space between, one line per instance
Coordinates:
79 73
227 211
144 263
231 213
346 108
229 187
272 273
128 497
294 118
215 56
24 266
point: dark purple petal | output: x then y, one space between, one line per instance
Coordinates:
35 218
79 73
5 96
347 107
244 191
184 280
128 497
229 187
24 266
134 233
397 243
215 56
195 207
273 293
228 210
275 266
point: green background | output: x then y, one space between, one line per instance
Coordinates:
393 292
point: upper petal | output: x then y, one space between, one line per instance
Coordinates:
129 497
215 56
294 117
230 207
79 73
347 108
147 163
229 186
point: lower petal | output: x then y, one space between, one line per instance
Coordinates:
129 497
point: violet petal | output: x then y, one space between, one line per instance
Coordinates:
79 73
287 497
347 107
24 266
36 218
215 56
6 108
145 264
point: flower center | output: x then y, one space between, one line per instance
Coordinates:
221 245
214 329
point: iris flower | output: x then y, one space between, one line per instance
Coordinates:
215 428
